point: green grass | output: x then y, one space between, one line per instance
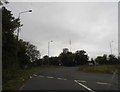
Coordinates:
16 82
98 69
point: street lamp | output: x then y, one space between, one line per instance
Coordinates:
19 18
49 47
18 31
111 46
48 50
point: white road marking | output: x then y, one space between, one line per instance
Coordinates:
21 87
30 77
80 80
49 77
84 86
102 83
64 79
34 74
61 78
53 77
41 76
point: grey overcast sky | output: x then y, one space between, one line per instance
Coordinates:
89 25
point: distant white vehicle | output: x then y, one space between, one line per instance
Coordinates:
90 64
59 64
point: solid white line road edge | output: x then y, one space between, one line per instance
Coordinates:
84 86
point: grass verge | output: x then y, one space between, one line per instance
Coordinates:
98 69
22 76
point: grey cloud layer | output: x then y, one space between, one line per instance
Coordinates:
90 26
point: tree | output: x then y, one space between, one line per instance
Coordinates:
104 59
9 62
16 54
67 58
81 57
65 50
9 25
25 50
92 61
45 59
54 60
32 52
98 59
112 59
23 58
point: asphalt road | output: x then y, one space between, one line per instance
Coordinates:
69 78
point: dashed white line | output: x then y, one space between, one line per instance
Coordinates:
30 77
61 78
64 79
41 76
34 74
84 86
50 77
102 83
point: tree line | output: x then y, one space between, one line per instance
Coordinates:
80 57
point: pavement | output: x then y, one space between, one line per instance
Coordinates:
69 78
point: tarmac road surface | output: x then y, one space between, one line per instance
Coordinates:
69 78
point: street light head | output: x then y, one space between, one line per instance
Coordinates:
30 10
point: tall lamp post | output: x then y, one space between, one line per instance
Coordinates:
18 31
19 18
48 50
111 46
